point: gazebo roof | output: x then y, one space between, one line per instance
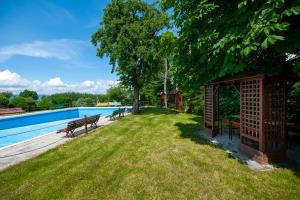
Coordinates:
243 76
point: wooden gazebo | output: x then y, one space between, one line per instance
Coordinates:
262 115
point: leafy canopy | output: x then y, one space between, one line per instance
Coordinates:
19 101
7 94
128 35
119 94
218 38
3 101
29 93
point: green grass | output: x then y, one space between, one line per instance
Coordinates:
154 155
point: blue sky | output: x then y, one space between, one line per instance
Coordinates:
45 45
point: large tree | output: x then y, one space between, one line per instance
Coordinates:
29 93
220 38
128 35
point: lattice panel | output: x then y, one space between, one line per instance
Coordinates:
209 104
274 118
251 111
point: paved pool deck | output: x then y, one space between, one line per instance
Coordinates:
20 152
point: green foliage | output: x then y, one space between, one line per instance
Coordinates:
85 102
150 92
167 44
7 94
45 102
293 104
229 100
74 96
194 101
61 100
217 38
19 101
128 35
119 94
3 101
29 93
31 103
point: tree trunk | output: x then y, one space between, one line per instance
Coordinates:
165 83
136 98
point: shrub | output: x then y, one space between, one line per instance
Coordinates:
7 94
19 102
3 101
29 93
61 100
84 102
31 104
44 103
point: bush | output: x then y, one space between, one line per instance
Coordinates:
82 102
3 101
28 103
29 93
293 114
61 100
193 101
89 102
119 94
7 94
31 104
44 103
19 102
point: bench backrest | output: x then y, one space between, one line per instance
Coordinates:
81 122
92 119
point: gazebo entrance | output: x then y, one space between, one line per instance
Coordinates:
262 115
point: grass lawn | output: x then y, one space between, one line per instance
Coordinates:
154 155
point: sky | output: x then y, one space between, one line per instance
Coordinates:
45 46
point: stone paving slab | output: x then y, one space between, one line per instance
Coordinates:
29 149
232 148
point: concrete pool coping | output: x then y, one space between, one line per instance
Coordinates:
31 148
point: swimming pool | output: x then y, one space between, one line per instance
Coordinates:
18 128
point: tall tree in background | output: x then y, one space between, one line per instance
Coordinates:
128 35
218 38
29 93
7 94
167 47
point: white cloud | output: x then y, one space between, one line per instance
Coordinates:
9 78
88 83
11 81
54 82
62 49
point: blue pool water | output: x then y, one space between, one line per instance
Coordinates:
14 129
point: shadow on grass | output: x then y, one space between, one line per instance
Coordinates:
158 111
191 131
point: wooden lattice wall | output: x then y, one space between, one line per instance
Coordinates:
251 117
262 116
262 113
210 109
274 119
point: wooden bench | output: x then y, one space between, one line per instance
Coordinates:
6 111
117 113
73 125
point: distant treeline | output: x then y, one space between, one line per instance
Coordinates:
30 101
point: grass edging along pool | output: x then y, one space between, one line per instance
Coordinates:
18 128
